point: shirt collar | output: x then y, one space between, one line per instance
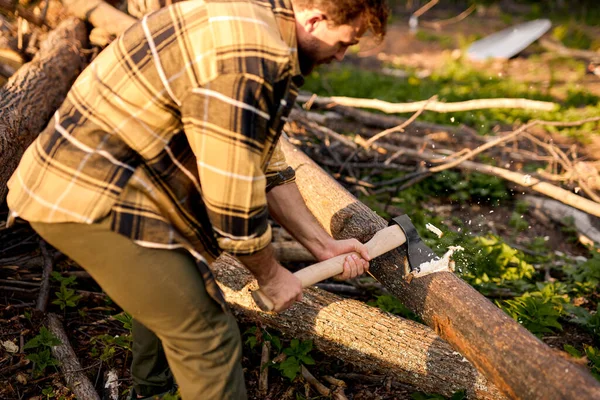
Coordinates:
284 14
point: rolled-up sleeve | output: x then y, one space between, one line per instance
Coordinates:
226 123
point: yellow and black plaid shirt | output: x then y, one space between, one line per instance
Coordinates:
172 131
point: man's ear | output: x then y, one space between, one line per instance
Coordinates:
314 19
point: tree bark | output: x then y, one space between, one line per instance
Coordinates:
69 364
373 340
520 365
31 96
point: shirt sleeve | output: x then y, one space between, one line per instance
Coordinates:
278 172
226 122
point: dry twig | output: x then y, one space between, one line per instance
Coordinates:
441 107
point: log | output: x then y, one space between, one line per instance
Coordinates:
79 384
291 251
519 364
100 14
372 340
31 96
437 106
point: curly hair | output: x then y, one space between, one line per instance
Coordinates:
342 12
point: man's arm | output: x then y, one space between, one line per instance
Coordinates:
287 207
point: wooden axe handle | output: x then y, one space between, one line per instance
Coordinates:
383 241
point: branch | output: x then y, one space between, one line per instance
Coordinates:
69 364
441 107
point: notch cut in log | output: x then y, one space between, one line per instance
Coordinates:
519 364
33 94
372 340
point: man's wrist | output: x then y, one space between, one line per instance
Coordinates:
262 264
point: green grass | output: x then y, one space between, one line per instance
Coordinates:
456 81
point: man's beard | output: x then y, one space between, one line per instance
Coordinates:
306 60
308 56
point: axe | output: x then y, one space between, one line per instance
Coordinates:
401 231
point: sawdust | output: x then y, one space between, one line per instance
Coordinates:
442 264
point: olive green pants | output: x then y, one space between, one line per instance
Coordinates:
164 291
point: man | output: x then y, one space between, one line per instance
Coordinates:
165 154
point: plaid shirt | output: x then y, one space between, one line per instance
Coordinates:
172 131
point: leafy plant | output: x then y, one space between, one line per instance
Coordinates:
593 355
43 358
538 311
109 345
516 218
590 321
43 339
255 335
297 354
66 296
493 260
106 346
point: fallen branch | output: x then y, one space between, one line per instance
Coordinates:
42 300
511 136
71 369
100 14
441 107
31 96
320 388
524 180
566 51
519 364
366 337
13 6
291 251
560 212
439 24
265 358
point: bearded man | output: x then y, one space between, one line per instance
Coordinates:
165 154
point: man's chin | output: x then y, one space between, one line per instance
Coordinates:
306 68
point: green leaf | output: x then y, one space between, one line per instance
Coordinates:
44 338
572 351
290 368
126 319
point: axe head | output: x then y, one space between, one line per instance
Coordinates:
417 252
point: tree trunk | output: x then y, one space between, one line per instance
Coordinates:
31 96
373 340
520 365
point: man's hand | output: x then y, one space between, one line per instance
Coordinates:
283 289
279 284
355 264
